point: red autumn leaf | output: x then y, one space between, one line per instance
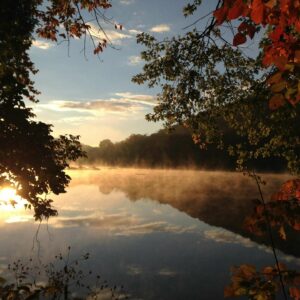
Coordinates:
276 34
243 27
295 293
297 25
239 39
251 31
221 14
236 10
257 13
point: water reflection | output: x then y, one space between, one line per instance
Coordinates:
163 234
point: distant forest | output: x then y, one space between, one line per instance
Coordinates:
166 149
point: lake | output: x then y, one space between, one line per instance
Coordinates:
163 234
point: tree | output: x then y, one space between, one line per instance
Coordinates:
31 159
212 87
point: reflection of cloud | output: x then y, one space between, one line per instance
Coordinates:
106 294
134 270
225 236
121 224
167 272
41 44
160 28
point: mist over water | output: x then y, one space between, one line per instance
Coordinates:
164 234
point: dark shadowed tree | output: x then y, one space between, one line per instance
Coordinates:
32 160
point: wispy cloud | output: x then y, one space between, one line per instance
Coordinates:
122 102
111 105
160 28
134 60
113 36
127 2
134 31
138 98
41 44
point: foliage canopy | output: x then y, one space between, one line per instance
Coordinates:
212 87
31 159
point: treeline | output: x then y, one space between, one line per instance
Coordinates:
165 149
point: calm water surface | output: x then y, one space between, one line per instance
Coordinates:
162 234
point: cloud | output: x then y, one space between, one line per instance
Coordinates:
41 44
134 60
123 102
127 2
138 98
134 31
113 36
160 28
111 105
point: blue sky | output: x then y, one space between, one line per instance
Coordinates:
96 99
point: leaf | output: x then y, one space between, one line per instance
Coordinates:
295 293
236 10
297 56
274 78
271 3
229 292
278 87
239 39
282 233
276 101
221 14
257 13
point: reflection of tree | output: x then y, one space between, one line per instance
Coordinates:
58 279
219 199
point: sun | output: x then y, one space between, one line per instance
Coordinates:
7 195
9 200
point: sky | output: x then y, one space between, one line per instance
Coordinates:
95 98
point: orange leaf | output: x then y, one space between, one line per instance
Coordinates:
297 56
257 14
278 87
280 62
274 78
221 14
276 101
295 293
271 3
296 226
282 233
229 292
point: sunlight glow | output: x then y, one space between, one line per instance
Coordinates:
9 200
